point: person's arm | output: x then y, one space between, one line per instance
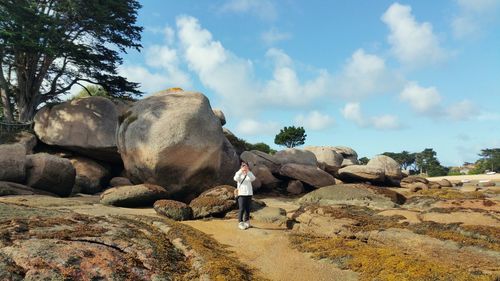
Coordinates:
251 176
237 176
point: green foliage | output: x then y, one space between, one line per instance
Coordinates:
55 45
405 159
261 147
428 163
241 145
489 161
291 136
363 160
454 172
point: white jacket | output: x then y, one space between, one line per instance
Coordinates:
244 183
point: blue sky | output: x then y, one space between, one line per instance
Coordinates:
373 75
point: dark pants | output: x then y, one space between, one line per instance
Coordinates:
244 204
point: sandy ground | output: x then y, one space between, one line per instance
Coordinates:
495 178
266 247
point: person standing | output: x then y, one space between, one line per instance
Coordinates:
244 178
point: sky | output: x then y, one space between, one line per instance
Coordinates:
376 76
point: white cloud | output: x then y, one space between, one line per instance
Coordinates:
273 36
315 121
352 112
385 122
422 100
263 9
413 43
251 127
233 79
150 82
462 110
364 75
472 15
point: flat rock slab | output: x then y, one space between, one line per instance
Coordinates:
354 194
133 195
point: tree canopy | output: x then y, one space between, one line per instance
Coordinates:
489 161
48 46
428 163
291 136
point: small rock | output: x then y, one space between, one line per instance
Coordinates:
295 187
119 181
271 215
173 209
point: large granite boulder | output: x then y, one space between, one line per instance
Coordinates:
214 202
362 173
391 168
328 159
175 210
296 156
12 163
91 177
87 126
350 156
133 195
50 173
354 194
311 175
256 158
173 139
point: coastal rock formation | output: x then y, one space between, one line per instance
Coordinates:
361 173
219 114
91 177
391 168
119 181
256 158
348 154
328 159
215 202
10 188
50 173
87 126
175 210
311 175
12 163
295 187
354 194
133 195
296 156
173 139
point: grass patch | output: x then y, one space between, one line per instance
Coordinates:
450 194
381 262
220 263
479 236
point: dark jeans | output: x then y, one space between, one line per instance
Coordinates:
244 203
